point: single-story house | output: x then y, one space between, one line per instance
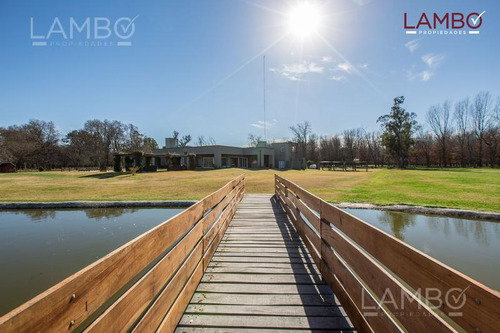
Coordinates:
278 155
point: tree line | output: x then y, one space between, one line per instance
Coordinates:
39 145
465 134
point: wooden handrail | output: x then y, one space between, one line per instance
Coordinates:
368 265
168 261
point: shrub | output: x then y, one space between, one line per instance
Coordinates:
117 164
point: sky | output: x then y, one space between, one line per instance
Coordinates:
196 66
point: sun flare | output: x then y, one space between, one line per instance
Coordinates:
304 19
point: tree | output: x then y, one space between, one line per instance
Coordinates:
492 135
300 135
480 113
374 148
135 139
398 128
462 116
201 141
312 148
438 118
5 154
423 147
80 150
35 144
149 144
330 148
253 140
184 140
351 140
107 137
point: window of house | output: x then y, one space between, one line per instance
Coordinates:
208 162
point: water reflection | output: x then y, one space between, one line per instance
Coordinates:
106 213
36 215
470 246
397 222
40 247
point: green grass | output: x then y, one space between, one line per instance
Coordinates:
477 189
454 188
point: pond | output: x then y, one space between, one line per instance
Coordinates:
39 248
469 246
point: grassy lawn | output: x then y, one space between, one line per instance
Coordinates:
454 188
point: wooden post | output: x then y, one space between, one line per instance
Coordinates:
321 219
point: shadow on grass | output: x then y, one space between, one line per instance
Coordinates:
443 169
105 175
200 170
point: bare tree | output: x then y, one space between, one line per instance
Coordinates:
462 116
351 140
5 155
110 136
496 114
330 148
438 118
374 148
423 146
312 148
480 114
253 139
35 144
300 135
492 134
184 140
201 141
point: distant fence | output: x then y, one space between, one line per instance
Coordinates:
375 275
143 286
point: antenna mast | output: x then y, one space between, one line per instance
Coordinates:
264 91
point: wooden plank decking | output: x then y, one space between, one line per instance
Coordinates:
261 278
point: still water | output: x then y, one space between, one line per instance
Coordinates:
470 246
39 248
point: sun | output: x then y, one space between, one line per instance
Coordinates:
304 19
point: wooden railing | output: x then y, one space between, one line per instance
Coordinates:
143 286
381 282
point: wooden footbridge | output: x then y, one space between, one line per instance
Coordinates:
261 263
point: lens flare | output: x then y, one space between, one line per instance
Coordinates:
304 19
